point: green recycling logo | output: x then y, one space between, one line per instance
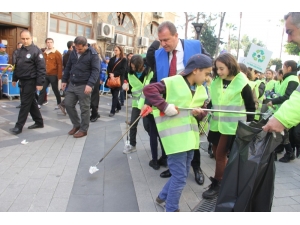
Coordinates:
258 56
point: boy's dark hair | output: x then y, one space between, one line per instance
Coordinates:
69 44
230 62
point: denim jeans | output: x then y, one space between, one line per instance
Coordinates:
179 166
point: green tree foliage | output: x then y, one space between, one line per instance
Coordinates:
276 62
246 43
208 39
292 49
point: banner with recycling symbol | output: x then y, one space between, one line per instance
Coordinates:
258 58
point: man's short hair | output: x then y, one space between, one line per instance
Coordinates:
167 24
26 31
295 18
49 39
70 44
80 40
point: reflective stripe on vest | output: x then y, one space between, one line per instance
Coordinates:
298 88
228 99
180 133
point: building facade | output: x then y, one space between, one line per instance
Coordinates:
134 31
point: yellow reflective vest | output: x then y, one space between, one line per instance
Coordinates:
180 133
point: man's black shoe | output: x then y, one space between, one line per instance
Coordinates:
166 174
19 106
15 130
199 176
154 164
213 190
162 162
94 119
34 126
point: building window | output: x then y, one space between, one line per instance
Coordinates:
150 32
71 23
123 25
20 18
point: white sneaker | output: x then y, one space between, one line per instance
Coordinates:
57 107
129 149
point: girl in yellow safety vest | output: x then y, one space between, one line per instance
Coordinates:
229 91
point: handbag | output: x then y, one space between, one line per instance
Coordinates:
114 82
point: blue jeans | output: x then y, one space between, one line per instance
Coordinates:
179 166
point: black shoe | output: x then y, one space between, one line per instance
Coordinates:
166 174
162 162
285 158
213 190
94 119
154 164
34 126
19 106
292 156
15 130
199 176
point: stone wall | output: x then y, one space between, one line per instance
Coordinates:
39 28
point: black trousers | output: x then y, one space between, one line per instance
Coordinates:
294 135
133 130
196 159
53 80
95 98
28 103
115 100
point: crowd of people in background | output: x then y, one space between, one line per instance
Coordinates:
171 64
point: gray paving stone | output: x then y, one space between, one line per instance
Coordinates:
47 162
22 203
38 208
42 200
11 192
296 198
4 152
58 204
20 180
283 209
40 173
32 186
57 170
5 205
11 172
50 183
86 203
284 201
4 183
21 161
63 190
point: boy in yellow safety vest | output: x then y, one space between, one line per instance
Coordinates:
182 97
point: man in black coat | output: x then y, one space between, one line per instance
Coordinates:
82 70
30 71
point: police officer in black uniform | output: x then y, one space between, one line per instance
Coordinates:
30 70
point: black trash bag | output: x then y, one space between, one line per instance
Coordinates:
248 180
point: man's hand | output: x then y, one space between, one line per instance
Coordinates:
14 83
39 88
111 75
63 86
87 90
197 111
270 104
273 125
